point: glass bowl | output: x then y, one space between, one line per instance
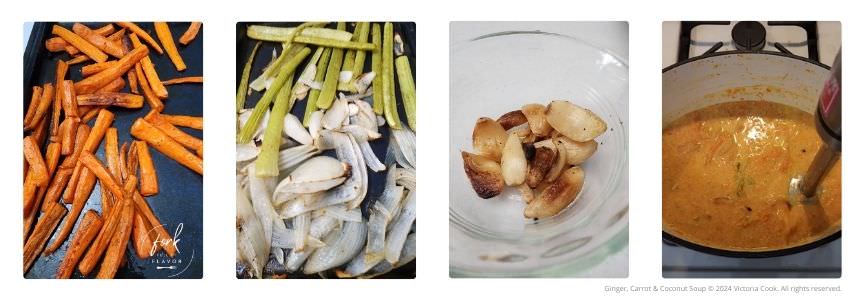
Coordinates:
496 73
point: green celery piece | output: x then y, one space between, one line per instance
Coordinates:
244 79
320 70
377 93
267 163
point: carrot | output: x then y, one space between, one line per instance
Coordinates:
72 50
104 30
37 164
106 180
99 41
150 71
92 112
115 37
56 187
149 183
104 237
59 76
52 157
45 101
56 44
78 59
190 33
113 87
67 135
34 104
188 79
111 155
117 246
40 132
178 135
141 239
145 131
87 231
111 98
98 80
142 34
133 81
103 121
161 238
164 35
184 121
82 193
97 67
152 99
123 171
70 106
41 233
73 39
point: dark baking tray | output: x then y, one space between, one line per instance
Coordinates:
180 189
376 180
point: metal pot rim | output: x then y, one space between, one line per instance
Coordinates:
734 52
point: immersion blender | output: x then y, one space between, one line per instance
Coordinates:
828 123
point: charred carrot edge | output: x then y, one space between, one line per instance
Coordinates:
52 155
142 34
190 33
123 172
45 101
162 238
141 239
97 247
132 158
41 233
97 67
104 30
67 135
164 35
178 135
103 121
56 187
87 231
106 180
37 164
149 181
145 131
85 186
56 44
34 103
188 79
98 80
115 37
77 59
40 132
117 245
101 42
150 71
70 107
152 99
112 87
112 99
59 76
73 39
184 121
133 81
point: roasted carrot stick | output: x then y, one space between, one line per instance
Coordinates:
67 135
112 99
190 33
184 121
149 183
123 171
115 37
78 59
52 157
37 163
40 133
98 80
161 237
34 104
97 67
104 30
105 234
141 239
133 81
70 106
41 233
178 135
132 158
72 51
150 71
73 39
103 121
164 35
152 99
99 41
117 247
113 87
92 112
82 193
188 79
69 163
56 187
59 76
87 231
145 131
142 34
111 155
106 180
55 44
45 101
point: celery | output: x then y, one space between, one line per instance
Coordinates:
320 70
328 90
244 79
406 88
377 94
267 163
389 92
333 43
282 34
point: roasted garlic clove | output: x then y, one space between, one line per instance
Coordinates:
543 161
578 152
488 138
514 164
512 119
559 165
537 118
574 122
558 195
484 173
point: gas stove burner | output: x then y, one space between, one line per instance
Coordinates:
749 35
